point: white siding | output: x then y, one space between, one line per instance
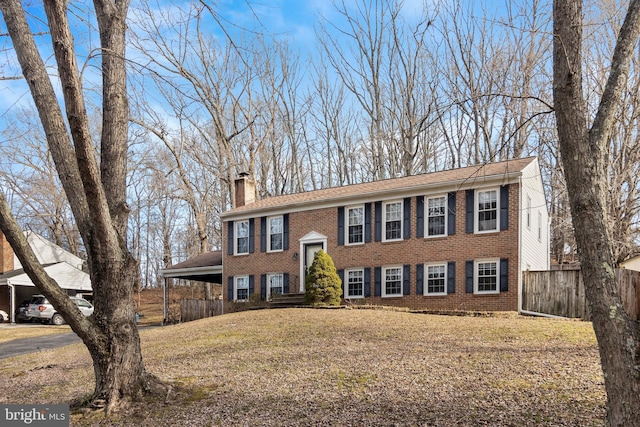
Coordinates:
534 242
47 252
67 276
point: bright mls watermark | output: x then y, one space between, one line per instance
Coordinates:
34 415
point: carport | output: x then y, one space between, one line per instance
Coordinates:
206 267
16 286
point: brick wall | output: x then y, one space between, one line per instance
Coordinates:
6 255
459 248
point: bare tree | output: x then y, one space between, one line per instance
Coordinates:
585 157
96 192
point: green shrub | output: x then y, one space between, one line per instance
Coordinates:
323 285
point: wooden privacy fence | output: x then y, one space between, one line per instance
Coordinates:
194 309
561 293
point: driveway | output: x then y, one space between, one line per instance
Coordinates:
43 342
35 344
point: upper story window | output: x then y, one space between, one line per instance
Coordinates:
276 229
241 288
539 226
436 216
528 212
392 281
242 237
355 226
392 221
487 211
486 277
436 279
354 288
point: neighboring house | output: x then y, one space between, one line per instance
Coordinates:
61 265
632 263
450 240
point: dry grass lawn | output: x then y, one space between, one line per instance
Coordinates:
345 368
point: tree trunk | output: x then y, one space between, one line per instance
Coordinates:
98 201
584 157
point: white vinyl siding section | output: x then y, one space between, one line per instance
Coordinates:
534 243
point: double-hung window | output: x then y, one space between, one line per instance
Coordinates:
355 228
436 279
275 284
242 237
354 287
276 228
241 288
487 209
436 216
393 220
392 281
487 276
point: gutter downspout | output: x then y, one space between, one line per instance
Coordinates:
12 302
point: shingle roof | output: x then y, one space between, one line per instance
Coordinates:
460 175
203 260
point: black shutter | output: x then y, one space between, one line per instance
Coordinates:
451 277
469 277
470 208
406 280
285 232
252 231
377 291
341 225
285 283
451 213
367 222
341 275
230 288
504 274
367 282
251 285
419 279
406 227
263 287
504 207
263 234
378 222
420 216
230 238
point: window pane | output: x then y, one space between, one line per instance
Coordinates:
435 279
356 225
275 284
242 288
487 210
393 211
275 233
436 210
242 237
243 229
355 284
393 279
487 277
243 245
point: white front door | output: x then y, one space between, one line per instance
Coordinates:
310 244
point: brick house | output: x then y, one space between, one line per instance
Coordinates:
451 240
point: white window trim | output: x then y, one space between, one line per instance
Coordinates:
383 281
346 283
269 276
235 288
426 216
425 279
476 276
384 220
235 237
269 233
346 224
476 216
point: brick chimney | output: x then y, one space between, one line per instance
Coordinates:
6 255
245 190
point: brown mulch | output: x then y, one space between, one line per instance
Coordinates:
344 368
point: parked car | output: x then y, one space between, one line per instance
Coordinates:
4 317
21 312
40 309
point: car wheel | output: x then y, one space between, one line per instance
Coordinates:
57 319
2 319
